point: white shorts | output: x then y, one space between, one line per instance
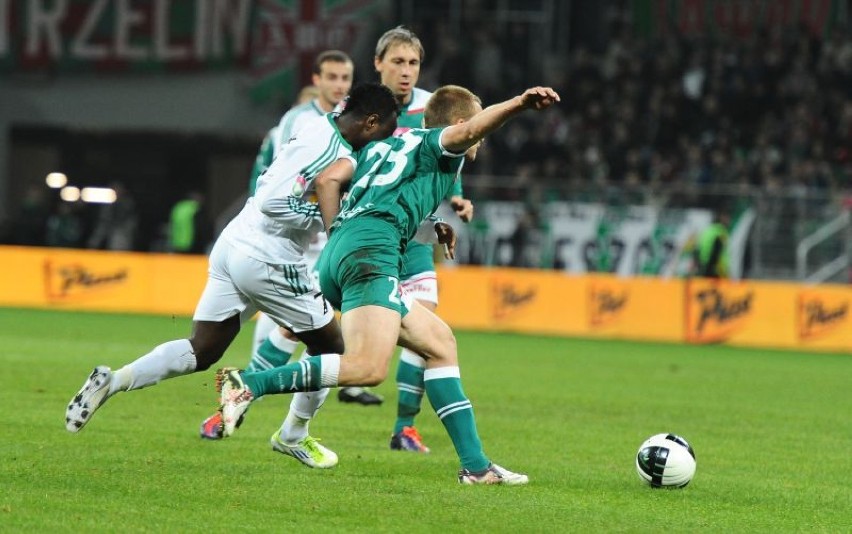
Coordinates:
421 286
237 283
312 254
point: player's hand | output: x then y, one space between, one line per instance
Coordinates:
539 98
463 208
446 237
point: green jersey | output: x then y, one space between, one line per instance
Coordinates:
401 180
411 117
411 114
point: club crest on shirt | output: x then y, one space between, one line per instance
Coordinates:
300 186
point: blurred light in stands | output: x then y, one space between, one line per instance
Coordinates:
99 195
69 194
55 180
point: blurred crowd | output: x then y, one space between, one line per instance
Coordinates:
643 120
770 111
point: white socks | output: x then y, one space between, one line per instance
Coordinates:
280 342
305 406
264 326
330 369
412 358
171 359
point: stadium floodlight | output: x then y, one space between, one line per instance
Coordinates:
69 193
55 180
99 195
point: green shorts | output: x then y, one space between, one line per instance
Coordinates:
360 266
418 258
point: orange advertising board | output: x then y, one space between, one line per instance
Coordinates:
823 316
635 308
98 280
759 314
512 300
769 314
717 309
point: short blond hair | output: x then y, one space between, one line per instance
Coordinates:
448 105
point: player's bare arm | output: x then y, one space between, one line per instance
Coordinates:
459 137
329 187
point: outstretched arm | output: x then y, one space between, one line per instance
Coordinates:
459 137
329 184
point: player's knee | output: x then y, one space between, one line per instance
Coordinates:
448 350
372 373
375 376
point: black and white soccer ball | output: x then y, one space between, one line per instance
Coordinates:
666 461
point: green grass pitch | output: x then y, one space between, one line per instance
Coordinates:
772 432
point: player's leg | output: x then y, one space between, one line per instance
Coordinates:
358 275
271 345
359 394
409 373
417 281
370 333
216 324
288 297
425 333
293 437
370 318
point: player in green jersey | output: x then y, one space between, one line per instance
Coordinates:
395 185
399 55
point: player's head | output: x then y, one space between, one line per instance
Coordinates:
333 71
370 114
306 94
399 54
452 104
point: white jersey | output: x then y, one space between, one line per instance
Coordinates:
277 224
292 121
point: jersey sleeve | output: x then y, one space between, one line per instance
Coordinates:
433 142
289 210
435 158
281 206
263 159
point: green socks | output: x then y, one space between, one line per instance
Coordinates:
308 374
409 382
443 387
275 351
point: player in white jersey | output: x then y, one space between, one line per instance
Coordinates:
271 345
332 76
258 263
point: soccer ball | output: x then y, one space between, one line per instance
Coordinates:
666 461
